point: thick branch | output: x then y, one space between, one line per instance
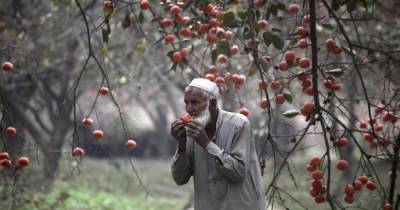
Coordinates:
395 163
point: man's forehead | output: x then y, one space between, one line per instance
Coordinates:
193 92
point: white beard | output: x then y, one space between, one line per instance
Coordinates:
203 117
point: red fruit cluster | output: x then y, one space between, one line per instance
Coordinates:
166 22
264 104
387 206
341 142
342 165
369 137
144 4
210 29
330 83
244 111
275 84
331 46
289 56
350 189
305 83
108 7
222 59
238 80
104 91
4 155
5 162
7 66
23 161
98 134
234 50
262 24
131 144
302 43
306 19
262 85
169 38
293 9
307 109
279 99
301 31
87 122
283 66
389 117
318 189
11 131
78 152
304 63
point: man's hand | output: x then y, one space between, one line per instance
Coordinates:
178 131
197 132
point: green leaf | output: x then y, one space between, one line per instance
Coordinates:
223 47
349 51
141 17
253 70
327 26
264 64
335 72
291 113
268 13
229 19
123 80
173 67
242 15
126 22
105 34
169 53
201 2
278 42
281 6
270 38
214 55
351 5
257 14
288 96
362 3
335 5
267 36
274 10
276 29
141 47
247 33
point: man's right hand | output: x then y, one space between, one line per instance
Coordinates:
178 131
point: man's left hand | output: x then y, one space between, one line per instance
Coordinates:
197 132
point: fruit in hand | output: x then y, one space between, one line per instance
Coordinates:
186 118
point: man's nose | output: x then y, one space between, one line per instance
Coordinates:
189 108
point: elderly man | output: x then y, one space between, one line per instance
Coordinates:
218 150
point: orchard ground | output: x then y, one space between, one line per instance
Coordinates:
111 184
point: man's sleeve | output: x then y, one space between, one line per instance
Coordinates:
233 164
182 164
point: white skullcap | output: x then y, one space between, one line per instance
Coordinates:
206 85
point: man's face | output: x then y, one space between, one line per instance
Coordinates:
197 105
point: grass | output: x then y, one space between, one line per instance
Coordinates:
103 185
111 184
